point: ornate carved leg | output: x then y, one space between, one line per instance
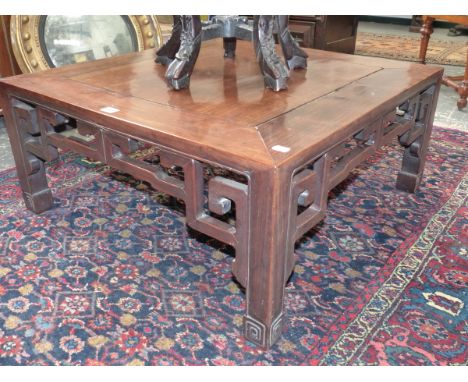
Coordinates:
294 56
275 73
416 141
426 32
269 255
29 153
180 69
229 44
167 52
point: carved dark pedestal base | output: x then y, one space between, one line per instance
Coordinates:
181 50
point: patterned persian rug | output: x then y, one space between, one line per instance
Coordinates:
407 48
112 276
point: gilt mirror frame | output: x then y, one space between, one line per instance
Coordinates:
29 48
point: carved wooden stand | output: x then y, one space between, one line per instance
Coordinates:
180 52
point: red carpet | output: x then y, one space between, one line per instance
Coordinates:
112 276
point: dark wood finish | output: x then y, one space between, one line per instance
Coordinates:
335 33
282 152
458 83
181 51
303 33
8 65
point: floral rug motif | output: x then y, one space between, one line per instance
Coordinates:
112 276
439 52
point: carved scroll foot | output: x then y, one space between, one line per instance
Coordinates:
294 56
180 69
274 71
167 52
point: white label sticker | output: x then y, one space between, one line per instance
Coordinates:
109 109
281 149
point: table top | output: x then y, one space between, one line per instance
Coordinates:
227 116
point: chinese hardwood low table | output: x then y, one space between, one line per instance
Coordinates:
280 153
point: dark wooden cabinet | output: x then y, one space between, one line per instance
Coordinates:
8 65
334 33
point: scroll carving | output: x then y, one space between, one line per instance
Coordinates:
275 73
181 50
221 193
312 182
44 131
416 141
309 196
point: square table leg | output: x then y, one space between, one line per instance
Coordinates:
269 255
29 154
416 145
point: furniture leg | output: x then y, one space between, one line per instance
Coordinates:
229 44
426 32
294 56
167 52
463 87
180 69
26 143
416 141
268 256
275 73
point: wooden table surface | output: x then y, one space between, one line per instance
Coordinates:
227 113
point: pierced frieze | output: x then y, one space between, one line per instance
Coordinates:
224 196
415 142
30 155
27 122
216 202
117 150
71 134
409 118
309 196
347 155
32 140
421 118
223 214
